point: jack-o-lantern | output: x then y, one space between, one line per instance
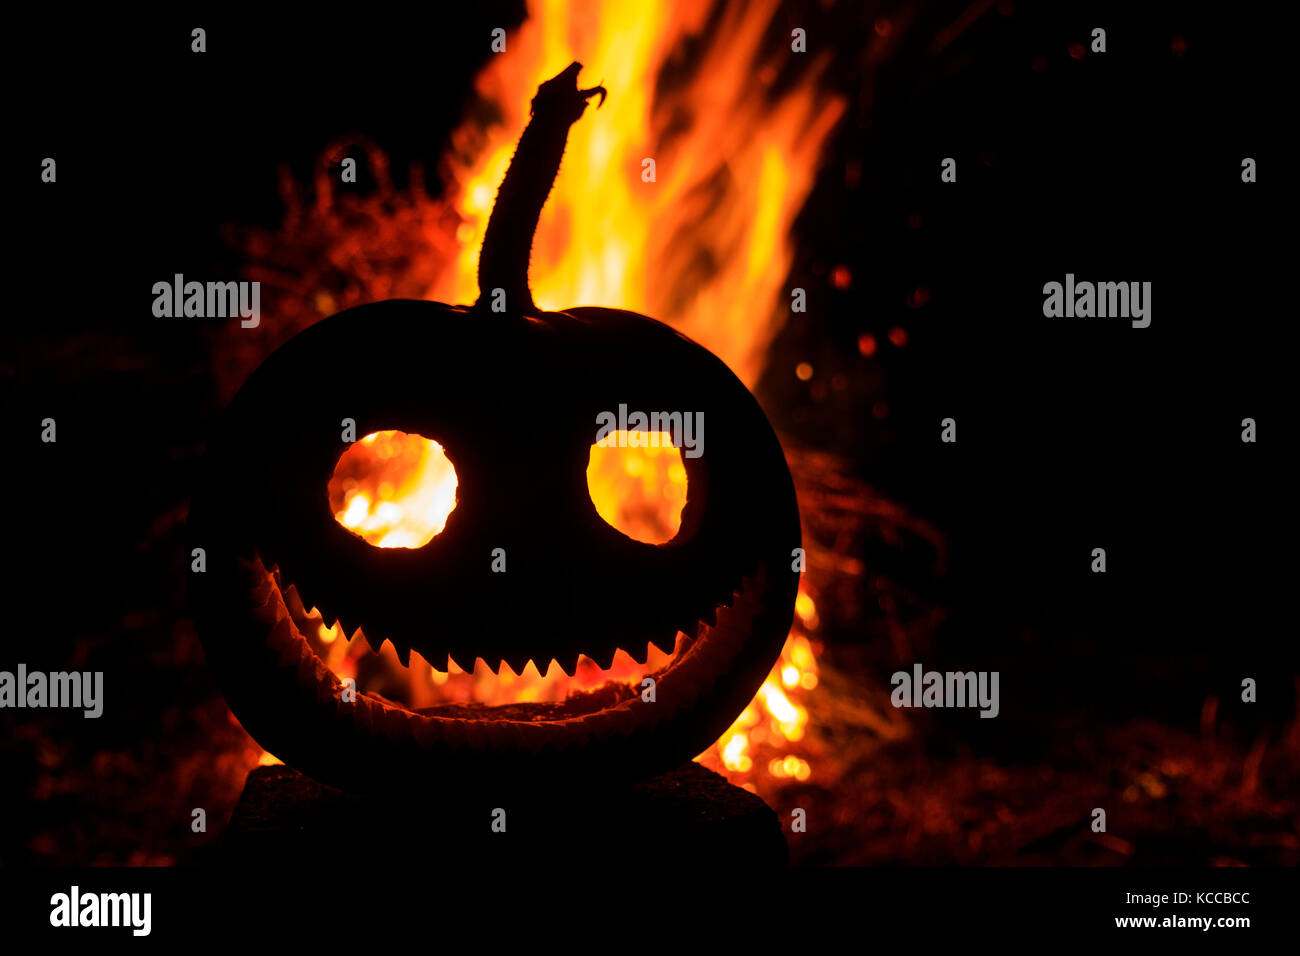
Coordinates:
523 567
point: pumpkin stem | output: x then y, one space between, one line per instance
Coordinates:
508 242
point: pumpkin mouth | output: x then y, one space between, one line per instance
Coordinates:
292 638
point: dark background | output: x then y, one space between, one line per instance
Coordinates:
1072 434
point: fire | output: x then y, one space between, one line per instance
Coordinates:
639 490
705 245
393 489
772 719
397 490
733 165
424 685
390 485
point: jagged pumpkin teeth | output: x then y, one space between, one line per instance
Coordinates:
604 659
403 654
440 520
463 661
665 645
518 664
568 663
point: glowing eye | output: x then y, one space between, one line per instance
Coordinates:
393 489
638 484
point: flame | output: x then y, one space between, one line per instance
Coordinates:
397 490
393 489
640 490
705 246
735 125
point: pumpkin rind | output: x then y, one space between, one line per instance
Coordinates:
513 398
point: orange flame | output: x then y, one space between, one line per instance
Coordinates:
393 489
638 490
702 243
705 245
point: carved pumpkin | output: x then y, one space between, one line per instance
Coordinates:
513 399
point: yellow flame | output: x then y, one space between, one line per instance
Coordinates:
706 245
393 489
734 756
639 490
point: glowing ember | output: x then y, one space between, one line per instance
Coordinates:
638 490
393 489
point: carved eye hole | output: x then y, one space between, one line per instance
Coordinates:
637 482
393 489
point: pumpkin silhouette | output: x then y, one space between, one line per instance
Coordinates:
512 394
